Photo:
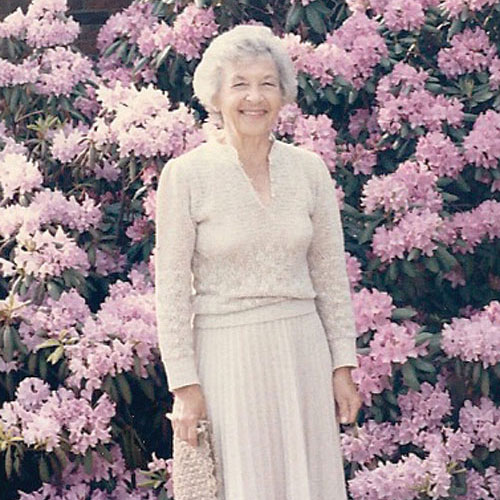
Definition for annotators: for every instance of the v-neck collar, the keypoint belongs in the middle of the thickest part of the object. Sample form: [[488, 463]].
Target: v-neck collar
[[231, 153]]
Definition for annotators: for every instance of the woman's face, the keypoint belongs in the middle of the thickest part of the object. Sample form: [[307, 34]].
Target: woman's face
[[250, 96]]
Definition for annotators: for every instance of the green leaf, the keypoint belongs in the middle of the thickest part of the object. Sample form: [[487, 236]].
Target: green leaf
[[163, 495], [410, 376], [48, 343], [414, 254], [390, 398], [446, 258], [403, 313], [431, 263], [485, 384], [87, 462], [8, 343], [393, 271], [8, 462], [424, 366], [456, 27], [331, 95], [162, 56], [294, 16], [462, 185], [314, 19], [14, 99], [56, 355], [124, 388], [408, 269], [423, 337], [476, 373], [43, 470], [148, 388], [54, 290], [109, 50]]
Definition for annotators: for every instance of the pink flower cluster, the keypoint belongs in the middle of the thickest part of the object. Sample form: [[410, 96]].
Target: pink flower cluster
[[404, 15], [455, 7], [422, 412], [411, 103], [407, 479], [354, 272], [475, 339], [19, 175], [107, 481], [128, 23], [440, 154], [44, 24], [372, 308], [317, 134], [482, 145], [370, 442], [12, 74], [61, 69], [482, 423], [43, 254], [43, 418], [391, 343], [109, 261], [68, 142], [485, 487], [123, 330], [420, 229], [49, 207], [56, 319], [395, 14], [140, 227], [140, 123], [471, 227], [421, 424], [361, 44], [411, 187], [192, 28], [363, 160], [471, 50], [351, 52]]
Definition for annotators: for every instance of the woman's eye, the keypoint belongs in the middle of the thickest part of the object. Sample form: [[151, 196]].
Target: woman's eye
[[269, 83], [239, 84]]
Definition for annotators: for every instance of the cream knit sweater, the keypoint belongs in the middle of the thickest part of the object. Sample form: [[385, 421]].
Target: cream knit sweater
[[220, 249]]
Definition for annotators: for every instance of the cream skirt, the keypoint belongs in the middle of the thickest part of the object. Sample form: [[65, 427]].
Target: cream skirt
[[268, 392]]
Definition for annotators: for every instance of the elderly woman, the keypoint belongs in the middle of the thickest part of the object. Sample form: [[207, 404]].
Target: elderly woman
[[255, 322]]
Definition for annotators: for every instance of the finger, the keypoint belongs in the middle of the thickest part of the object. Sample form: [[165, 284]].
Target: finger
[[343, 411], [193, 436], [354, 407]]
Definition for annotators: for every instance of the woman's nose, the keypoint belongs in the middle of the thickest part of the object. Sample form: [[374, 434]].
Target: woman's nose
[[254, 94]]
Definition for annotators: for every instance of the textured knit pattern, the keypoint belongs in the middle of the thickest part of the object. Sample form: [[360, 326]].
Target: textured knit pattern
[[221, 249]]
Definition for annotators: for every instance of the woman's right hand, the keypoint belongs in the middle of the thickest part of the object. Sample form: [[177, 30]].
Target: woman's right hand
[[189, 407]]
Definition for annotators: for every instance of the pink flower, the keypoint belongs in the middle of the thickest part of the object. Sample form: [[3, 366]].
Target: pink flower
[[475, 339], [19, 175], [471, 50]]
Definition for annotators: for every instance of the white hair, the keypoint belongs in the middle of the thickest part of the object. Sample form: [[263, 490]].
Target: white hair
[[233, 45]]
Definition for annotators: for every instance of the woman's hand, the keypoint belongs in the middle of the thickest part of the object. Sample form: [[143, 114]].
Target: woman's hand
[[189, 407], [346, 395]]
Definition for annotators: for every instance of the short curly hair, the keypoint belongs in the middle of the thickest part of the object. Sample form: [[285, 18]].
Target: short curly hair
[[233, 45]]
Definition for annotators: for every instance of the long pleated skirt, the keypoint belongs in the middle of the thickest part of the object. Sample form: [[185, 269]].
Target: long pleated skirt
[[267, 383]]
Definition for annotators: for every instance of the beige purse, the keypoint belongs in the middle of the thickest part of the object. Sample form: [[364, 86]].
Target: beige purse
[[194, 469]]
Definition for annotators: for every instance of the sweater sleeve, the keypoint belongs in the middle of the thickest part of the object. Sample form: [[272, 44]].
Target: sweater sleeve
[[175, 239], [327, 267]]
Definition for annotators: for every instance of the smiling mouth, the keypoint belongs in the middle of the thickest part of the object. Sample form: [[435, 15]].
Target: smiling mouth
[[253, 113]]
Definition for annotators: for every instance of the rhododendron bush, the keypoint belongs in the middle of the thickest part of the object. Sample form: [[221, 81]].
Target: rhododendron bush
[[401, 100]]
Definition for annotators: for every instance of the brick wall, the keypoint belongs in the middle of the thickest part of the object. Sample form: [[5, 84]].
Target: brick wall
[[91, 14]]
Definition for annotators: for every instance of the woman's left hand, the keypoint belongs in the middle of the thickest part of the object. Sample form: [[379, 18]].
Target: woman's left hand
[[346, 395]]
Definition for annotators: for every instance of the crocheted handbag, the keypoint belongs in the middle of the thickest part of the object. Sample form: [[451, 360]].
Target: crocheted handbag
[[194, 469]]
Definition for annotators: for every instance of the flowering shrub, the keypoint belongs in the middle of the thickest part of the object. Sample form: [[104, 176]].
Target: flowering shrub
[[403, 104]]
